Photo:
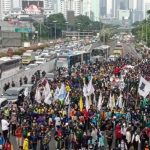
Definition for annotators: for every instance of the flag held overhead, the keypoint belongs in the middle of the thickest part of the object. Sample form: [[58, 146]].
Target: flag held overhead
[[144, 87]]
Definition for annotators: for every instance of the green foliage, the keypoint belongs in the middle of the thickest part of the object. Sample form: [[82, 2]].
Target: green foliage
[[141, 30], [82, 22]]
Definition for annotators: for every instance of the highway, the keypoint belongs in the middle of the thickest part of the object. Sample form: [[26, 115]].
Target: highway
[[128, 48]]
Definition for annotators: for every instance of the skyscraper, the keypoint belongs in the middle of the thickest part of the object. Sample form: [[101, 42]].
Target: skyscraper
[[103, 8], [119, 4], [139, 10], [5, 8], [91, 8], [140, 5]]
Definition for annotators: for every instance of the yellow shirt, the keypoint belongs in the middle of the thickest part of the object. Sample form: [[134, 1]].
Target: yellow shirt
[[26, 144]]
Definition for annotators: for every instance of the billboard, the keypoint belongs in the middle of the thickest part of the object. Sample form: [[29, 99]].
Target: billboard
[[32, 7]]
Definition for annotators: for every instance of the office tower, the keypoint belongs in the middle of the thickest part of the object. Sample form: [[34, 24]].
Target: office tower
[[16, 4], [140, 5], [131, 4], [77, 7], [124, 4], [91, 8], [5, 8], [103, 8], [139, 10]]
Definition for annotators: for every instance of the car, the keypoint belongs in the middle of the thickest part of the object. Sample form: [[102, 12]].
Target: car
[[30, 66], [40, 61], [4, 103], [13, 94]]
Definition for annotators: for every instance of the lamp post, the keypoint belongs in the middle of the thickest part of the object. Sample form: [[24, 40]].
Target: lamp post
[[67, 25], [55, 27], [79, 30]]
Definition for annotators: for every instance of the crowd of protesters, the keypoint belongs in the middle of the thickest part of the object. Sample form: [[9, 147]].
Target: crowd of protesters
[[73, 125]]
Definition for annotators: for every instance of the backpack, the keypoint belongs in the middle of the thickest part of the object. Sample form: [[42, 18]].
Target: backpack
[[7, 146], [24, 133]]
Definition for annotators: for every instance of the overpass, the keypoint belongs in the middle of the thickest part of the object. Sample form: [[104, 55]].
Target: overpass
[[77, 34]]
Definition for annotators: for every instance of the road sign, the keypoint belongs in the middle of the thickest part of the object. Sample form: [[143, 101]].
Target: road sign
[[23, 30]]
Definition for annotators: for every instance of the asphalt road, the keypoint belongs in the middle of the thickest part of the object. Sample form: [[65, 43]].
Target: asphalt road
[[127, 49]]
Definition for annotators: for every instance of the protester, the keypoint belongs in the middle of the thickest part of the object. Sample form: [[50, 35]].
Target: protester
[[97, 105], [5, 127], [2, 141]]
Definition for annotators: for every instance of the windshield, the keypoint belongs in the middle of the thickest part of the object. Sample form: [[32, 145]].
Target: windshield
[[62, 64], [96, 52], [26, 57], [10, 92]]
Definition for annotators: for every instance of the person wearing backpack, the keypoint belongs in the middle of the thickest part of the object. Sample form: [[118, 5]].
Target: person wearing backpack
[[8, 145], [135, 140], [26, 143], [2, 141], [18, 134]]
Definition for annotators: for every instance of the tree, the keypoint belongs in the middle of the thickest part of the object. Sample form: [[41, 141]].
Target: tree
[[59, 21], [82, 23]]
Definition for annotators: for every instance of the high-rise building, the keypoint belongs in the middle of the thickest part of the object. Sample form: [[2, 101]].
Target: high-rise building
[[103, 8], [131, 4], [91, 8], [139, 15], [77, 7], [5, 8], [66, 5], [119, 5], [16, 4]]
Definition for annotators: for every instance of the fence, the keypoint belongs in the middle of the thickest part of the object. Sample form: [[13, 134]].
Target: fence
[[47, 67]]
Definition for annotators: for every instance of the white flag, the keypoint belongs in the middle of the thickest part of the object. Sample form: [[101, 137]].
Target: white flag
[[90, 87], [56, 94], [47, 94], [62, 92], [120, 101], [48, 99], [100, 102], [144, 87], [85, 92], [87, 105], [38, 95], [26, 92], [67, 100]]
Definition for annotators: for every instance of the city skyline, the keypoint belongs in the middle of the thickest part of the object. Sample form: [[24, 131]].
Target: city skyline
[[94, 9]]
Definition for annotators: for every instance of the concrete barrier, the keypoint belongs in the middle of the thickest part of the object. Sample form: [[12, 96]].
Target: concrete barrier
[[47, 67]]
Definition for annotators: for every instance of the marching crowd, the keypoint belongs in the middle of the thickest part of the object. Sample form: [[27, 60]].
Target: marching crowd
[[96, 107]]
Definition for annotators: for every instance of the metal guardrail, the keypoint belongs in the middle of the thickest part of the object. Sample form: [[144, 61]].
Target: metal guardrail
[[47, 67]]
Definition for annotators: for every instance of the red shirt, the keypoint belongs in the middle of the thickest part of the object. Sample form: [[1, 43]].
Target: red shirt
[[85, 114]]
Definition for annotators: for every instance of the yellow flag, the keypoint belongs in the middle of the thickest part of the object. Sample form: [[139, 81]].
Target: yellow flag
[[81, 103], [68, 89]]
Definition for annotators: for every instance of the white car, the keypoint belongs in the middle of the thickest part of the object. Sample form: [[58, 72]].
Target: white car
[[30, 66], [40, 61]]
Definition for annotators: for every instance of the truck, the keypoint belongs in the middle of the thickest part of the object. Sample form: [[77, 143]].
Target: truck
[[28, 57], [118, 52]]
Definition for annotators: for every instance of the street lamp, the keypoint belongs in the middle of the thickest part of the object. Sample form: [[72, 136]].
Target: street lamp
[[55, 21], [79, 30], [67, 25]]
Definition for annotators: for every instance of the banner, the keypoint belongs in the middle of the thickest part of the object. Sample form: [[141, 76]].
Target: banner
[[144, 87]]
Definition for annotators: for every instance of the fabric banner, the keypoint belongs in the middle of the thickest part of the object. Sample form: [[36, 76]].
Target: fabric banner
[[144, 87]]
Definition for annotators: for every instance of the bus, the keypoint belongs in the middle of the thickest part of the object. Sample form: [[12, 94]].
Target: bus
[[9, 66], [68, 60], [100, 53], [118, 50]]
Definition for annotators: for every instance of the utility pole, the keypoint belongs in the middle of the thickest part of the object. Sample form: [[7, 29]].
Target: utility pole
[[55, 28]]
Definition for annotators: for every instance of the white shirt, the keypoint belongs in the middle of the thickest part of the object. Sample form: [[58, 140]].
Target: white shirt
[[5, 124], [57, 121], [128, 136]]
